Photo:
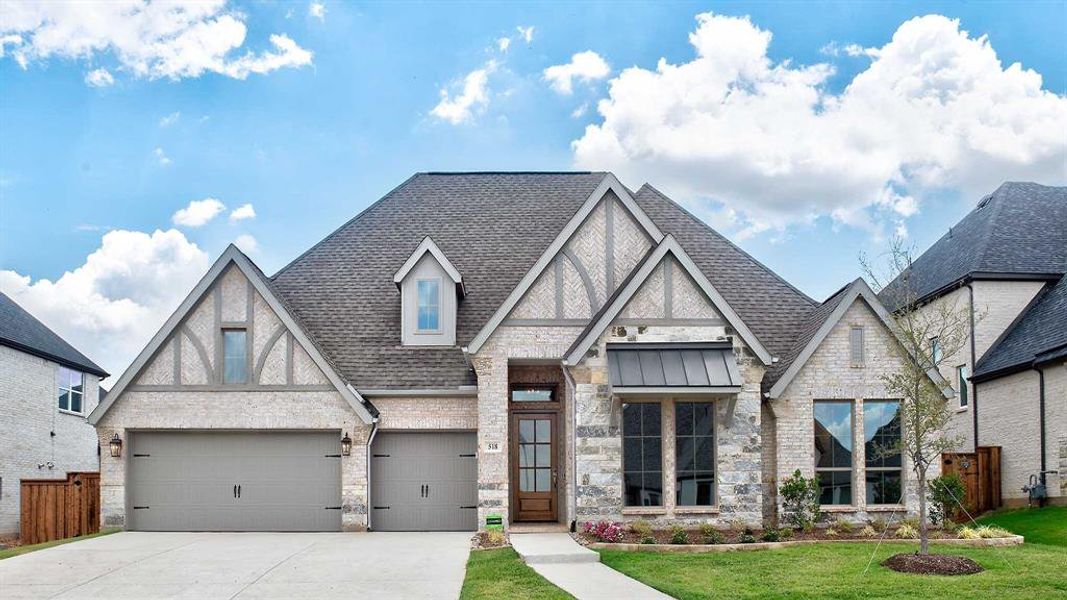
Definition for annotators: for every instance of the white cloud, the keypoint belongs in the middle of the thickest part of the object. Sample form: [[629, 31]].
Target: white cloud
[[110, 306], [584, 66], [317, 10], [525, 32], [170, 119], [247, 244], [198, 212], [99, 78], [935, 109], [245, 211], [502, 44], [161, 156], [579, 112], [178, 39], [472, 98]]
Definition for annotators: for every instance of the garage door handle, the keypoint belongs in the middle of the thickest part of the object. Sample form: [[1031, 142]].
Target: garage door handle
[[427, 490], [238, 490], [235, 490], [422, 491]]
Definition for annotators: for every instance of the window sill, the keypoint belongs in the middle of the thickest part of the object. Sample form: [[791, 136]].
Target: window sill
[[70, 412], [960, 409], [644, 510], [696, 510], [838, 508], [887, 508]]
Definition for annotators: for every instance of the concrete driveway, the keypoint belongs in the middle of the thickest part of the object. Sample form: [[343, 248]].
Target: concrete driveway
[[243, 565]]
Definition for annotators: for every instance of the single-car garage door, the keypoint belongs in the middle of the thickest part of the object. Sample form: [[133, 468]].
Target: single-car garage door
[[424, 482], [234, 481]]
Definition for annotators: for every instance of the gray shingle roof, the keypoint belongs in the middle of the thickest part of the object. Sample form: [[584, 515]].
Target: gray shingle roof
[[1039, 334], [493, 227], [805, 332], [21, 330], [1021, 229]]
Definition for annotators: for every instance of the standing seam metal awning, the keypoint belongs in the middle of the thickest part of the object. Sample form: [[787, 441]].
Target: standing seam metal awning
[[673, 368]]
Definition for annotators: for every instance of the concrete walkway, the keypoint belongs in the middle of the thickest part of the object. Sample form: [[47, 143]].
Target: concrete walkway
[[147, 565], [569, 565]]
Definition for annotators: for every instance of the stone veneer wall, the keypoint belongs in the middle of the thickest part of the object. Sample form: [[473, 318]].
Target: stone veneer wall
[[829, 375], [739, 488]]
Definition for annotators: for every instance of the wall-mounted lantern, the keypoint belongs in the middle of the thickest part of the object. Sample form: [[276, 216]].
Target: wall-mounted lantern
[[116, 446], [346, 445]]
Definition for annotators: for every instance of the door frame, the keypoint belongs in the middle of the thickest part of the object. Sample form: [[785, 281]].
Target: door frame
[[517, 410]]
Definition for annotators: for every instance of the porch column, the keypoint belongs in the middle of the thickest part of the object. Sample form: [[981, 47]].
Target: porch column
[[493, 465]]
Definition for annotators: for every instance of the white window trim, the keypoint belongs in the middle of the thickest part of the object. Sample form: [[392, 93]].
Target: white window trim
[[70, 392], [440, 317]]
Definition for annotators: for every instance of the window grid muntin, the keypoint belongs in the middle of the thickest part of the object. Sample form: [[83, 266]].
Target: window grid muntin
[[882, 468], [684, 432], [649, 436], [838, 476], [234, 359], [71, 390], [428, 306]]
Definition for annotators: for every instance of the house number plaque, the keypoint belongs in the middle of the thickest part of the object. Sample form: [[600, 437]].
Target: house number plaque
[[491, 447]]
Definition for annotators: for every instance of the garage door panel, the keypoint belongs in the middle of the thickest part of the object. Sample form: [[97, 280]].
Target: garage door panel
[[424, 481], [186, 480]]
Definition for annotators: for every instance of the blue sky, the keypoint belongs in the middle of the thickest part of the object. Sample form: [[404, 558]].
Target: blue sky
[[311, 141]]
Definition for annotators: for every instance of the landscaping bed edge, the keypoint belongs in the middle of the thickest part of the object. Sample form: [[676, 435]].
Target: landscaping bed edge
[[1015, 540]]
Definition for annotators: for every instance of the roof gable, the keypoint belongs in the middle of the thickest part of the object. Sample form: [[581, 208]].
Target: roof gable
[[233, 256], [822, 323], [24, 332], [608, 184], [630, 287], [427, 245]]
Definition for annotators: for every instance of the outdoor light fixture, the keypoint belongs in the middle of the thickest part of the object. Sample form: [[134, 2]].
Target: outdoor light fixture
[[346, 445], [116, 446]]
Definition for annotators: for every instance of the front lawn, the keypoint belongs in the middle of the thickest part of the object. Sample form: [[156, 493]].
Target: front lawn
[[17, 550], [1039, 526], [500, 573]]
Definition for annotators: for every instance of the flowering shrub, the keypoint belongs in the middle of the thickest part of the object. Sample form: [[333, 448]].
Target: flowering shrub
[[605, 531]]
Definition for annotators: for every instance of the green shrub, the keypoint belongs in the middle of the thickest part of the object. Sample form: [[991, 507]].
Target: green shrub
[[879, 524], [869, 532], [800, 500], [844, 526], [641, 527], [714, 537], [912, 522], [966, 533], [907, 532], [771, 535], [679, 535], [988, 531], [648, 539], [785, 532], [746, 537], [946, 495]]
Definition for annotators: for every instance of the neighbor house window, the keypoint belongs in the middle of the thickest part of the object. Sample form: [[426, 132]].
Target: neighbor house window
[[935, 350], [71, 388], [235, 356], [833, 451], [642, 454], [881, 432], [856, 346], [429, 304], [694, 430], [962, 373]]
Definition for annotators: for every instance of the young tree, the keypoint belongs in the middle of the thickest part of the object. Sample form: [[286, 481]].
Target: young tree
[[929, 335]]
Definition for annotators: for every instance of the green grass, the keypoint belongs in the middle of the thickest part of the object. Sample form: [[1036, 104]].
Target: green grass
[[500, 573], [1038, 569], [1039, 526], [17, 550]]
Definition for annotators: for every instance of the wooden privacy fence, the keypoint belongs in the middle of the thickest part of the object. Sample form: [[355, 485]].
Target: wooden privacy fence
[[54, 509], [980, 473]]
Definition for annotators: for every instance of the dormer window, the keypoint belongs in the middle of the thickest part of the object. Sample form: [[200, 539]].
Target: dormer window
[[429, 308], [430, 291]]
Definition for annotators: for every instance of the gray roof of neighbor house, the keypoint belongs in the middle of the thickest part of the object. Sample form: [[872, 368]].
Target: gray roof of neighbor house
[[493, 227], [1017, 230], [1038, 335], [22, 331]]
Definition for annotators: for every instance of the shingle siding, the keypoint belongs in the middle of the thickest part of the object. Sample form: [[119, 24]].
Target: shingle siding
[[28, 395]]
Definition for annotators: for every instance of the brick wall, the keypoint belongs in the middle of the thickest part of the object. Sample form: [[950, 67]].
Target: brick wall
[[28, 396]]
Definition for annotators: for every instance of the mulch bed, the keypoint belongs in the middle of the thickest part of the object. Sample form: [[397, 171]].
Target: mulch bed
[[932, 564], [481, 540]]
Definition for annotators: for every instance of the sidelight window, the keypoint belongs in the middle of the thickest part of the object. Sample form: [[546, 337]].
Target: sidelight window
[[642, 454]]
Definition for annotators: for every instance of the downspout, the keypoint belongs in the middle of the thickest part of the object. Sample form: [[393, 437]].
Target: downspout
[[370, 442], [1041, 417], [573, 447], [974, 361]]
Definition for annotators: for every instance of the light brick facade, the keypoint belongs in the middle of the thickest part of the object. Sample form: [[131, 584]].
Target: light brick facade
[[28, 395]]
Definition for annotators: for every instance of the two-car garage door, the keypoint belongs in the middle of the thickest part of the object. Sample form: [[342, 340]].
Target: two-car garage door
[[291, 481]]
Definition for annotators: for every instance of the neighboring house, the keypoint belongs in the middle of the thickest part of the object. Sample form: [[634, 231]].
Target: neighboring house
[[1004, 264], [47, 388], [542, 347]]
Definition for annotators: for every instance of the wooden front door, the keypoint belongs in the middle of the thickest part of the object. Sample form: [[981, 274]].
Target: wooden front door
[[533, 472]]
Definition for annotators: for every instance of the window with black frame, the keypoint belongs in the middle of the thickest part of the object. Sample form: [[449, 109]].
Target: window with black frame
[[694, 431], [642, 454], [881, 432], [833, 451]]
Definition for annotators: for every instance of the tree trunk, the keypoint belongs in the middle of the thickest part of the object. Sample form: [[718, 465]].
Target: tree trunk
[[924, 541]]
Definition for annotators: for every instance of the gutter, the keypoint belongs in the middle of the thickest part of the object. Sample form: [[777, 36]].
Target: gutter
[[370, 442], [573, 447], [1041, 417], [974, 363]]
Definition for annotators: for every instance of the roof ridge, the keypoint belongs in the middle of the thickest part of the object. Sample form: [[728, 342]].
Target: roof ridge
[[710, 229], [509, 172]]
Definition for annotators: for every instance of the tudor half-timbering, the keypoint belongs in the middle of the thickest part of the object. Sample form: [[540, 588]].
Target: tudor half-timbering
[[546, 347]]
